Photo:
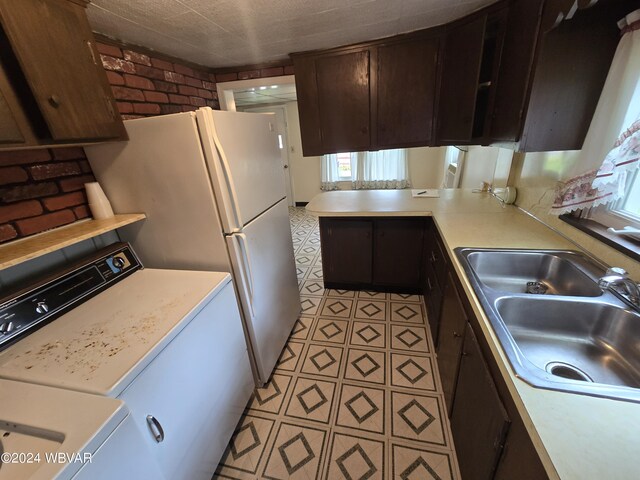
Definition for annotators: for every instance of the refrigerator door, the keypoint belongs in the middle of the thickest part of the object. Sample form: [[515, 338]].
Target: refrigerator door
[[244, 162], [161, 171], [263, 266]]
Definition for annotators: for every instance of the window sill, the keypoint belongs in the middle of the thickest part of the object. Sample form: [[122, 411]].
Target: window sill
[[624, 244]]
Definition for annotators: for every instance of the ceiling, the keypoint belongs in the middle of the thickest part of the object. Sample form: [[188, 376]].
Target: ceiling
[[265, 95], [225, 33]]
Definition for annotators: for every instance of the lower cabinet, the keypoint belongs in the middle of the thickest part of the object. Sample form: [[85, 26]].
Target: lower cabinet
[[188, 400], [374, 253], [479, 421], [450, 337]]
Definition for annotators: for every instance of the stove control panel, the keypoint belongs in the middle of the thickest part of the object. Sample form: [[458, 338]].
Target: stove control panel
[[48, 298]]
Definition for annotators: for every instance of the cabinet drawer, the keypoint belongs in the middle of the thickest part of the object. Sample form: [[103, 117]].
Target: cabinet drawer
[[196, 389]]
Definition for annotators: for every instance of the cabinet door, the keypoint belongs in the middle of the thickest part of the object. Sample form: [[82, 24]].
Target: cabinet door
[[196, 388], [452, 322], [53, 43], [406, 92], [479, 421], [347, 249], [519, 458], [397, 252], [433, 302], [459, 83], [14, 126], [343, 101]]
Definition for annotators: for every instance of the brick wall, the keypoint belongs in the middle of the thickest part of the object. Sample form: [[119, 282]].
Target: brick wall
[[44, 189]]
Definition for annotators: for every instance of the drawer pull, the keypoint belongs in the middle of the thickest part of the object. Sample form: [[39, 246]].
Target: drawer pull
[[433, 256], [156, 428], [457, 335], [429, 284], [54, 101]]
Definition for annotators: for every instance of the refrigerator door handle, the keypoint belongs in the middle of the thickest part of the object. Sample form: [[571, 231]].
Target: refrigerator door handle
[[226, 170], [246, 263]]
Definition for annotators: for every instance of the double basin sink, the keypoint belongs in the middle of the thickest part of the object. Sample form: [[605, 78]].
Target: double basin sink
[[558, 328]]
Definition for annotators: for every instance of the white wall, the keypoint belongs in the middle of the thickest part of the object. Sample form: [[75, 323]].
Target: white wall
[[480, 166], [305, 171], [426, 166]]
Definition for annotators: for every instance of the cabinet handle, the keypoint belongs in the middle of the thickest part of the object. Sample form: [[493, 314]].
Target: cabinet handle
[[93, 55], [429, 283], [433, 256], [156, 428], [54, 101], [457, 335]]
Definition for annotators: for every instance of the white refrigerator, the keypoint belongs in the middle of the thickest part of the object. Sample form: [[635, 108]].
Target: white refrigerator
[[212, 186]]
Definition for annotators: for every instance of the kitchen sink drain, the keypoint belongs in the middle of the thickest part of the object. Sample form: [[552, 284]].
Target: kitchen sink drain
[[536, 288], [565, 370]]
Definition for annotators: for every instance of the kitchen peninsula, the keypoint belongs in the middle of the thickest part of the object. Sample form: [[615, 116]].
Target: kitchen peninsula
[[560, 435]]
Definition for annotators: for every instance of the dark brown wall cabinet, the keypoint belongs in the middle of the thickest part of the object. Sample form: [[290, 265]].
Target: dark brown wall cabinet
[[53, 85], [367, 97], [521, 73], [380, 254]]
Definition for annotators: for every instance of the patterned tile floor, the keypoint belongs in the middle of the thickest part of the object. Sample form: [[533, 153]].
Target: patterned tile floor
[[356, 393]]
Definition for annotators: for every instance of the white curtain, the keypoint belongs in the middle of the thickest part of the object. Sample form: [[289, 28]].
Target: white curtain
[[612, 146], [385, 169], [329, 172]]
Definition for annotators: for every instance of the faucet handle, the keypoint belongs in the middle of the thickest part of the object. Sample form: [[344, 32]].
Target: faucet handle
[[617, 271]]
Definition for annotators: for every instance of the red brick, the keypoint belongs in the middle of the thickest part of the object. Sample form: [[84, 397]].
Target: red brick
[[75, 183], [165, 109], [249, 74], [201, 75], [136, 57], [85, 167], [131, 117], [25, 192], [189, 108], [157, 97], [174, 77], [194, 82], [124, 93], [215, 95], [288, 70], [225, 77], [183, 69], [179, 99], [12, 175], [135, 81], [54, 170], [81, 212], [272, 72], [213, 104], [64, 201], [156, 62], [209, 85], [165, 86], [125, 107], [117, 64], [108, 50], [20, 157], [205, 93], [7, 232], [146, 108], [150, 72], [16, 211], [187, 90], [197, 101], [68, 153], [39, 224], [212, 77], [114, 78]]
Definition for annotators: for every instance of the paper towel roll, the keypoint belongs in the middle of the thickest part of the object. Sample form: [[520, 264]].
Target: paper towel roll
[[98, 201]]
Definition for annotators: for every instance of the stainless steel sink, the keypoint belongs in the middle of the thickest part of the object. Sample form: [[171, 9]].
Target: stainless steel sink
[[553, 273], [575, 338]]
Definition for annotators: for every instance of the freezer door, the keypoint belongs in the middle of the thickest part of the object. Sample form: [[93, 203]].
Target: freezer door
[[244, 162], [265, 274]]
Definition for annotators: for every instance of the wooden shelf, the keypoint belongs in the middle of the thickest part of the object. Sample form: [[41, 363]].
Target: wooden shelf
[[19, 251]]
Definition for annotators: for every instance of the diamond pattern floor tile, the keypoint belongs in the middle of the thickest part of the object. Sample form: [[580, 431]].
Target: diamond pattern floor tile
[[355, 394]]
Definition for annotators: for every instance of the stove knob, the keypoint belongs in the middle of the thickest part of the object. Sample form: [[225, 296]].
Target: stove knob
[[118, 262], [3, 328], [10, 327], [42, 307]]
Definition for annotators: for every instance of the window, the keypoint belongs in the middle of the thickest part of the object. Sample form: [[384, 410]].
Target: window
[[344, 166], [384, 169]]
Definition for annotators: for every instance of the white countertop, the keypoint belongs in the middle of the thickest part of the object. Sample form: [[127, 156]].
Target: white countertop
[[577, 437], [101, 345], [67, 422]]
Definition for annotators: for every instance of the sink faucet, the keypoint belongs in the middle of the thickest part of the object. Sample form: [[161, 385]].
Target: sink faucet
[[617, 280]]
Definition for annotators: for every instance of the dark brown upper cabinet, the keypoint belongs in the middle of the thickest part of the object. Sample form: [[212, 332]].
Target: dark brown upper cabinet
[[554, 63], [369, 96], [54, 87]]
